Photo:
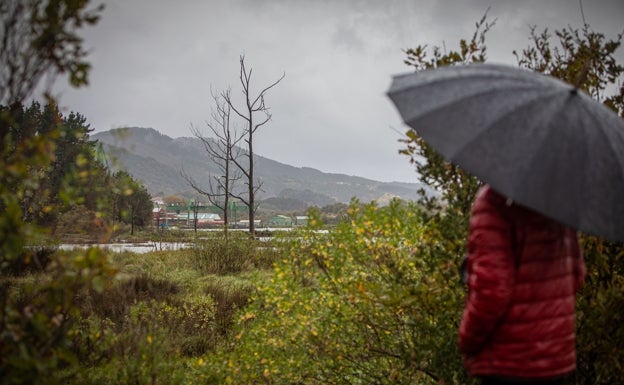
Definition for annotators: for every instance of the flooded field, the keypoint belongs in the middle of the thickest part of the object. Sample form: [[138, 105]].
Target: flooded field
[[143, 247]]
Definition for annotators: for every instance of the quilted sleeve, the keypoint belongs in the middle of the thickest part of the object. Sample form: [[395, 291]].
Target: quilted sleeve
[[490, 271]]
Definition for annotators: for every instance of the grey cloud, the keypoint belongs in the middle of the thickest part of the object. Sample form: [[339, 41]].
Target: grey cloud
[[154, 63]]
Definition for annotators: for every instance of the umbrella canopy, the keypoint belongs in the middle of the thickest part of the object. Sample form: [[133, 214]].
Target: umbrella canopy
[[533, 138]]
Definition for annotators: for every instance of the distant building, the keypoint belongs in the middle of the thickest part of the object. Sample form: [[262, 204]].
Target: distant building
[[208, 218], [158, 201], [158, 214], [301, 220], [203, 219], [280, 221], [244, 223]]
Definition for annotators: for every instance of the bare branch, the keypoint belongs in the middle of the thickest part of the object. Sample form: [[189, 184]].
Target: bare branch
[[241, 198], [228, 98], [194, 185], [268, 118], [266, 89]]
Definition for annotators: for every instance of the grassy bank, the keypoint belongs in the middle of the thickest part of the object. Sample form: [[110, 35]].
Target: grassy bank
[[151, 317]]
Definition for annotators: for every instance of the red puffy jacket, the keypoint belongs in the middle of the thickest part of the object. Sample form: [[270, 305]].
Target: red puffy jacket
[[523, 273]]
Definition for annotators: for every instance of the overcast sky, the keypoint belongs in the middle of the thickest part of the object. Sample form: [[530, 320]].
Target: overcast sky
[[155, 61]]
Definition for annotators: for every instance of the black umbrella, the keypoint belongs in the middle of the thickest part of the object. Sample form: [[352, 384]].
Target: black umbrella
[[533, 138]]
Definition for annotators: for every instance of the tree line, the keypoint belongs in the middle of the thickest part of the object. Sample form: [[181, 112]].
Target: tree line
[[76, 177]]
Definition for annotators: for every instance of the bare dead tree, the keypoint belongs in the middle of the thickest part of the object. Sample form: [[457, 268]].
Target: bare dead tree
[[222, 151], [252, 107]]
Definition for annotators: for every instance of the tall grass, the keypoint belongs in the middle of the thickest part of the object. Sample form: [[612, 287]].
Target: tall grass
[[154, 318], [165, 310], [234, 254]]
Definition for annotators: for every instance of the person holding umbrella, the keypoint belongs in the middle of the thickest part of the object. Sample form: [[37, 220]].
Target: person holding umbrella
[[524, 270], [552, 159]]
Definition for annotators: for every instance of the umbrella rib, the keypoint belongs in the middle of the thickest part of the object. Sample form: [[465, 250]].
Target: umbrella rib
[[610, 147], [533, 165], [514, 186], [494, 123]]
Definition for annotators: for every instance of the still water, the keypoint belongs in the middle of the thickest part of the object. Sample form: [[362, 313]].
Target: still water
[[143, 247]]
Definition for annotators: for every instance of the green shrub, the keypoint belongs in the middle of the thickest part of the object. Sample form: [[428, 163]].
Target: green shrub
[[228, 299], [232, 254], [142, 352], [113, 303], [30, 260], [149, 345], [38, 314], [92, 340], [371, 302], [600, 315]]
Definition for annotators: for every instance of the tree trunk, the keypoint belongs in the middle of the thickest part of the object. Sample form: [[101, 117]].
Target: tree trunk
[[252, 193]]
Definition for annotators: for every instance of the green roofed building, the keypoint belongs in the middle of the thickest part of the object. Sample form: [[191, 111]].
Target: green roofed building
[[280, 221]]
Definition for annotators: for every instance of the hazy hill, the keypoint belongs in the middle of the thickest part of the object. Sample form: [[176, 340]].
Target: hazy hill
[[158, 160]]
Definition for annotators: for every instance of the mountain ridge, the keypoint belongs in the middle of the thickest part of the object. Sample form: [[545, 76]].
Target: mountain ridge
[[159, 161]]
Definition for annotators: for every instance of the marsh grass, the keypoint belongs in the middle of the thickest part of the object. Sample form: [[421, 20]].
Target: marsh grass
[[155, 316], [115, 301], [232, 255], [165, 310], [229, 296]]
